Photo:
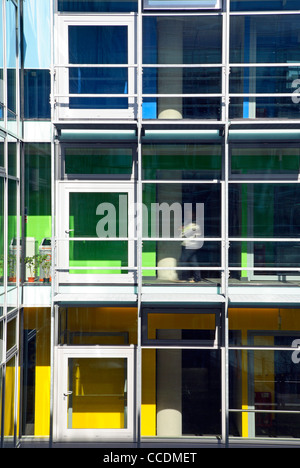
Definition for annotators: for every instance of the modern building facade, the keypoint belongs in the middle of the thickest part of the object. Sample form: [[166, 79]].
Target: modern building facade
[[125, 126]]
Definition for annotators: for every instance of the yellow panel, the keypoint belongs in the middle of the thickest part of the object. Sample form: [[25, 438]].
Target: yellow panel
[[148, 409]]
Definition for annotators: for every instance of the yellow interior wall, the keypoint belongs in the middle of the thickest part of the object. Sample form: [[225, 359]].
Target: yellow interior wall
[[261, 320], [9, 403], [105, 319], [39, 319], [110, 409], [102, 390]]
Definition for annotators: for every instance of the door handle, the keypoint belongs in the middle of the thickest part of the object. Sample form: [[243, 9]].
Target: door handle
[[67, 231], [67, 394]]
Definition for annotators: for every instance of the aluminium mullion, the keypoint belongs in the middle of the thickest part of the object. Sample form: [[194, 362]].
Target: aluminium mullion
[[265, 13], [225, 222], [138, 227], [53, 217]]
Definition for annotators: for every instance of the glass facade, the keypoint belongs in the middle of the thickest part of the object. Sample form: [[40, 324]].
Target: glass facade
[[149, 223]]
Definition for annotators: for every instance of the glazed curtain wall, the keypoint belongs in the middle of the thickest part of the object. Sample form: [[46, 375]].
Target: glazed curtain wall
[[264, 382]]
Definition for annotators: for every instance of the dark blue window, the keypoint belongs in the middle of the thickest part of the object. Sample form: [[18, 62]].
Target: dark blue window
[[98, 45]]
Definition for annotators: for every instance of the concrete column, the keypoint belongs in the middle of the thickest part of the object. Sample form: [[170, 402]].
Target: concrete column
[[169, 384], [170, 51], [168, 253], [169, 80]]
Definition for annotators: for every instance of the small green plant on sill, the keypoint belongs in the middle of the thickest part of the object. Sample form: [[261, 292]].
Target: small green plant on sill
[[32, 264], [46, 265]]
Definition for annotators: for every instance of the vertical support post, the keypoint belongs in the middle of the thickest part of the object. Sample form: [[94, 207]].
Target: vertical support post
[[53, 250], [139, 221], [225, 221]]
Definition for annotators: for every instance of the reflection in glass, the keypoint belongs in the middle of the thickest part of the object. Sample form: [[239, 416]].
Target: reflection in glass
[[97, 6], [9, 403], [98, 326], [169, 326], [181, 161], [265, 5], [263, 107], [265, 160], [13, 260], [97, 393], [264, 320], [11, 50], [105, 45], [271, 383], [36, 94], [98, 160], [264, 39], [200, 38], [36, 372], [183, 390], [11, 338], [273, 208]]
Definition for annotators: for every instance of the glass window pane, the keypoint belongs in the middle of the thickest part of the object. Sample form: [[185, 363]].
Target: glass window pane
[[264, 39], [264, 107], [95, 160], [36, 94], [98, 326], [181, 161], [186, 40], [181, 393], [13, 260], [97, 6], [271, 383], [12, 158], [169, 326], [11, 44], [36, 372], [2, 152], [265, 160], [273, 209], [263, 5], [11, 338], [98, 393], [242, 322], [9, 403], [167, 206], [105, 45]]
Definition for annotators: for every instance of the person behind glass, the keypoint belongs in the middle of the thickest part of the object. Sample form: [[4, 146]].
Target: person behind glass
[[190, 248]]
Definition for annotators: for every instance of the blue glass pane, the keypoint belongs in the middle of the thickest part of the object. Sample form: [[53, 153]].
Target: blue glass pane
[[36, 94], [98, 45], [97, 6], [265, 39], [189, 40], [264, 5]]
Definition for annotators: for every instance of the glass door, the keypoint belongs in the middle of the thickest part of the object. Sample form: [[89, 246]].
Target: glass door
[[95, 394], [96, 232], [96, 66]]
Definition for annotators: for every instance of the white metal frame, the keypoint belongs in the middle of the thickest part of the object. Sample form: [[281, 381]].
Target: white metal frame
[[64, 190], [61, 430], [62, 67]]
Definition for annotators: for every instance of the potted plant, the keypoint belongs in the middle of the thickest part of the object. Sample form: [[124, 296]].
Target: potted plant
[[1, 268], [12, 260], [31, 263], [45, 261]]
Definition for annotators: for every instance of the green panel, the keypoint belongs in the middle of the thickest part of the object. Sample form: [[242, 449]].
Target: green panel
[[167, 161], [85, 222], [98, 160], [270, 160]]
